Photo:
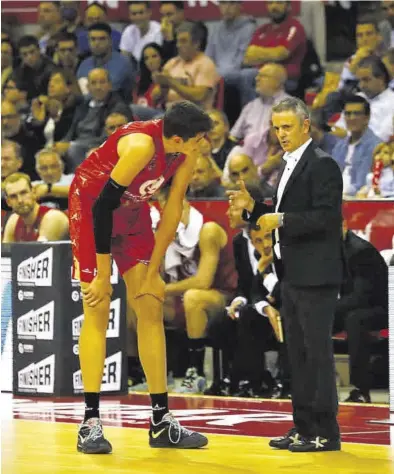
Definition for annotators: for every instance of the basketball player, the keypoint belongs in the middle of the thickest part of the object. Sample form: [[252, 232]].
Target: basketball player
[[109, 214]]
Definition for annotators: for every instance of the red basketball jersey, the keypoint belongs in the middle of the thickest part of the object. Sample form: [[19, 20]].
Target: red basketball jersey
[[29, 234]]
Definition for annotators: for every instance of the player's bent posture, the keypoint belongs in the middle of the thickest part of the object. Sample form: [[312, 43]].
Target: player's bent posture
[[109, 214]]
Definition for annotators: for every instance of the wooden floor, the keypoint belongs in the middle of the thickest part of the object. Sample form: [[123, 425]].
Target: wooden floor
[[49, 448], [36, 440]]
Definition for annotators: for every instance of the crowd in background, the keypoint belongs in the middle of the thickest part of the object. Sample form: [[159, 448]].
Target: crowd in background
[[67, 88]]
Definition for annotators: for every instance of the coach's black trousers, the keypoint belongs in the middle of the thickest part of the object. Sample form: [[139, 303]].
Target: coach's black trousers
[[308, 316]]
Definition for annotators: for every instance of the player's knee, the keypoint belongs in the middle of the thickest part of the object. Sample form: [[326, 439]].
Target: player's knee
[[97, 317], [191, 300]]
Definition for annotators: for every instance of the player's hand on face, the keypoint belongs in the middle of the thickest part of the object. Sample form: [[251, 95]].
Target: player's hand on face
[[240, 199], [152, 286], [97, 291]]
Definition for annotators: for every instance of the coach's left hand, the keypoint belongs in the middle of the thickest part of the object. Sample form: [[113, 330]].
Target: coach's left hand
[[269, 222]]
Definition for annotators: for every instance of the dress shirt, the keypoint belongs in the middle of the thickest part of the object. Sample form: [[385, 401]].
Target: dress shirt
[[291, 162]]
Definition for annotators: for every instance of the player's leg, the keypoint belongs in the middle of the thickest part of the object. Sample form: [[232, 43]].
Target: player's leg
[[92, 349], [165, 429], [199, 305]]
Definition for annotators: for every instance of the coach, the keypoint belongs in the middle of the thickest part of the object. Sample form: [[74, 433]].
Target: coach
[[306, 222]]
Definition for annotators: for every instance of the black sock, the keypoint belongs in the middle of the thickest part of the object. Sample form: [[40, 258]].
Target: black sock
[[92, 400], [196, 354], [159, 406]]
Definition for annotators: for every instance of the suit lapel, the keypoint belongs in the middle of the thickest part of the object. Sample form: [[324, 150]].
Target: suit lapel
[[281, 170], [297, 170]]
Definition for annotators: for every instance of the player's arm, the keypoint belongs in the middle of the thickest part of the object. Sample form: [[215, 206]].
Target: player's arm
[[135, 151], [212, 239], [171, 215], [9, 229], [54, 226]]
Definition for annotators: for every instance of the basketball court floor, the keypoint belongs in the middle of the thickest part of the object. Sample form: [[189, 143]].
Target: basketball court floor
[[39, 436]]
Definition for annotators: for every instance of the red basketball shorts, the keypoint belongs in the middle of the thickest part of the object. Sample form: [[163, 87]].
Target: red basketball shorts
[[132, 236]]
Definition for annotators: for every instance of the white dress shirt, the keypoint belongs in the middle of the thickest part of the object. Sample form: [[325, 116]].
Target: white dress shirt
[[291, 162], [132, 41]]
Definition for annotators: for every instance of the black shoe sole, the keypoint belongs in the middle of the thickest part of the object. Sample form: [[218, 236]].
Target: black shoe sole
[[177, 446], [99, 450], [314, 450], [280, 446]]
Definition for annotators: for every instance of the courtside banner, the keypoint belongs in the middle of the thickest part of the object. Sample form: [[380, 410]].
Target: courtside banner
[[47, 317]]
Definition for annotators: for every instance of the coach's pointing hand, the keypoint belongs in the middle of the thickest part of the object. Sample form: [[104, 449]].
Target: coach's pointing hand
[[241, 199]]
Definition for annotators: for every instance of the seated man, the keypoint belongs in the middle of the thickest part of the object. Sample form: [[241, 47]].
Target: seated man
[[320, 132], [53, 187], [29, 221], [114, 121], [255, 310], [240, 166], [362, 307], [11, 162], [191, 75], [200, 268], [354, 153], [204, 182], [87, 128], [122, 72], [219, 137]]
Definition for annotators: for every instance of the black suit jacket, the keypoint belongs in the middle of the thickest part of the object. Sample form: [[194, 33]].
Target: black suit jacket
[[310, 240], [366, 285]]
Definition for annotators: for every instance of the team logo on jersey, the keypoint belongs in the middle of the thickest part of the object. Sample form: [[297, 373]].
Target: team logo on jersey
[[150, 187]]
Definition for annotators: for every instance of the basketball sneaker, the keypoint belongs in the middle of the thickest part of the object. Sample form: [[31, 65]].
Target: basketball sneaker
[[91, 438], [170, 434], [192, 383]]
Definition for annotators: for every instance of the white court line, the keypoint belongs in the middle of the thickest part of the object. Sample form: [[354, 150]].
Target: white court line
[[364, 432]]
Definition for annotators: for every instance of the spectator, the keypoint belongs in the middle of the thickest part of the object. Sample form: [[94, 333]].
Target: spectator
[[172, 15], [241, 167], [52, 115], [13, 129], [12, 94], [386, 26], [114, 121], [141, 31], [11, 158], [282, 40], [219, 137], [145, 106], [66, 52], [87, 127], [33, 74], [204, 183], [121, 71], [51, 22], [368, 42], [7, 61], [29, 221], [95, 12], [200, 268], [354, 153], [235, 30], [388, 60], [380, 181], [151, 61], [373, 82], [53, 187], [320, 132], [191, 75], [362, 307], [255, 117]]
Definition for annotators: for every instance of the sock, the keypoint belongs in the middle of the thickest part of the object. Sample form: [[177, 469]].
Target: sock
[[92, 401], [196, 354], [159, 406]]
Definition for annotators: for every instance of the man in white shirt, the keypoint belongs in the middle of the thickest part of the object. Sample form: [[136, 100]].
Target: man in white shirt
[[141, 31], [306, 220]]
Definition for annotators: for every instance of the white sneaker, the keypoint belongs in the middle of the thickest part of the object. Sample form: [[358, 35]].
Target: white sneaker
[[192, 383]]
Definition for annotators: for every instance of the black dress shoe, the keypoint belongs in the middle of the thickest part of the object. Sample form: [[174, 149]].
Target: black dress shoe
[[291, 437], [357, 396], [313, 445]]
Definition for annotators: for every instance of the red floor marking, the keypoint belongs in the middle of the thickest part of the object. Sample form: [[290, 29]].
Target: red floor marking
[[213, 415]]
